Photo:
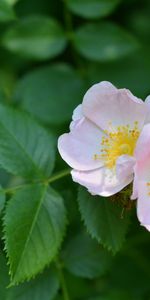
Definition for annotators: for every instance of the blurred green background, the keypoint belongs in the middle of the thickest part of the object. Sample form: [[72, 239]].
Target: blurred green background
[[51, 52]]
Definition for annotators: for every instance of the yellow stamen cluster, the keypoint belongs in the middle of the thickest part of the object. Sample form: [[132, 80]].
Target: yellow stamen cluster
[[118, 142]]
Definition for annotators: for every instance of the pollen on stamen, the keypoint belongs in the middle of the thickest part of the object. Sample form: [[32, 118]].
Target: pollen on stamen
[[148, 188], [118, 141]]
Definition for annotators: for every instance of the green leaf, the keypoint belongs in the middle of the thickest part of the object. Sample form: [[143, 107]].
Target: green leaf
[[4, 279], [92, 8], [39, 7], [2, 198], [84, 257], [116, 295], [11, 2], [138, 22], [34, 227], [26, 149], [103, 41], [7, 81], [43, 287], [102, 218], [36, 38], [6, 12], [57, 87], [124, 73]]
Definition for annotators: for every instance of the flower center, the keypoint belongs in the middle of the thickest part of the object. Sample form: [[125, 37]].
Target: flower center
[[118, 142], [125, 149]]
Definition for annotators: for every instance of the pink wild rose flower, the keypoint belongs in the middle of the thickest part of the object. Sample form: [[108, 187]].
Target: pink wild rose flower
[[100, 147]]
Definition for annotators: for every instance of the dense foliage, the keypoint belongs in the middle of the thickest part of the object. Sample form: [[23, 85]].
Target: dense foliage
[[57, 241]]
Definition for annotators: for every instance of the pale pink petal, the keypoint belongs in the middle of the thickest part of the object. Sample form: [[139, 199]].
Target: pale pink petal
[[142, 176], [103, 181], [125, 166], [77, 115], [147, 103], [131, 96], [147, 227], [143, 204], [142, 154], [147, 100], [79, 146], [110, 108]]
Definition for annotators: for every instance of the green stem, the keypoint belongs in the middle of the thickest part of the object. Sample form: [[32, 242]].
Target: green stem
[[59, 175], [62, 280], [53, 178]]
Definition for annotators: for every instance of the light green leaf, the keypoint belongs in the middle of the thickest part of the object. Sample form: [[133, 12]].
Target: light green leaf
[[37, 38], [26, 149], [92, 8], [6, 12], [103, 41], [34, 227], [102, 218], [11, 2], [43, 287], [84, 257], [58, 87]]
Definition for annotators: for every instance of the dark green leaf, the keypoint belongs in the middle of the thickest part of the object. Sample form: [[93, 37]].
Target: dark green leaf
[[25, 148], [4, 279], [138, 22], [115, 295], [36, 38], [102, 218], [7, 81], [58, 88], [92, 8], [34, 227], [6, 12], [44, 287], [85, 258], [103, 41], [126, 73]]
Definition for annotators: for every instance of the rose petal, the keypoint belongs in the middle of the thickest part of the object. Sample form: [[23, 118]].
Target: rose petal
[[147, 227], [147, 103], [125, 166], [109, 108], [77, 115], [142, 176], [102, 181], [143, 204], [79, 146], [142, 154]]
